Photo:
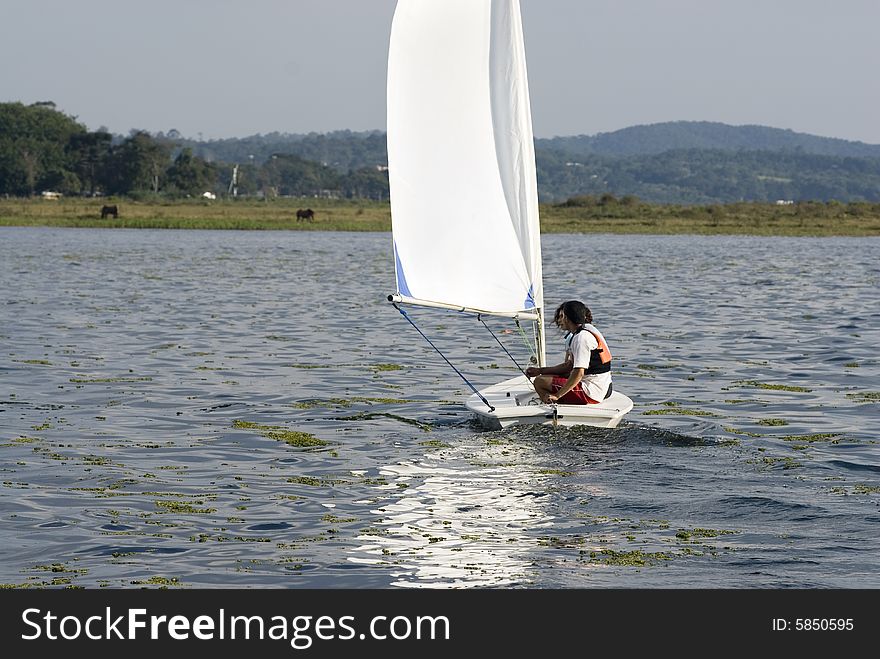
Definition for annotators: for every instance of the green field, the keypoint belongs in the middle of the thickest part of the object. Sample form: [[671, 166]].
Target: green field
[[578, 215]]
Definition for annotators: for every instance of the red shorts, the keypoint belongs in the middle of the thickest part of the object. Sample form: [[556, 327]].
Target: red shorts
[[576, 396]]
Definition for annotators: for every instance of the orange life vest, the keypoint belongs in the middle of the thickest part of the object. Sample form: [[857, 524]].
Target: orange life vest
[[600, 358]]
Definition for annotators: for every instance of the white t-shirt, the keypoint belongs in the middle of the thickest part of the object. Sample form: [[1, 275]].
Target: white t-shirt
[[595, 385]]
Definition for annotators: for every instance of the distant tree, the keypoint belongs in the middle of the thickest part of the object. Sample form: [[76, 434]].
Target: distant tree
[[190, 175], [138, 165], [366, 183], [293, 176], [89, 155], [33, 142]]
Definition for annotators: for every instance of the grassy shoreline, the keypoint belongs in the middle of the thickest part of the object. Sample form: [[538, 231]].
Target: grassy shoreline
[[578, 215]]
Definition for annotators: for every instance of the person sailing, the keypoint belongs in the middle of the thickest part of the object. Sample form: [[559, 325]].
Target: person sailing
[[584, 377]]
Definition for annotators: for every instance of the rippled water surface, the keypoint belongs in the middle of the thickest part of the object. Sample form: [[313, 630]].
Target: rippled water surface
[[243, 409]]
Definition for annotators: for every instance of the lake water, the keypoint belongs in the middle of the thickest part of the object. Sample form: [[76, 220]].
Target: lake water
[[149, 381]]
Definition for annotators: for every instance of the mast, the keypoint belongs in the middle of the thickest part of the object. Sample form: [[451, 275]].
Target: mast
[[541, 339]]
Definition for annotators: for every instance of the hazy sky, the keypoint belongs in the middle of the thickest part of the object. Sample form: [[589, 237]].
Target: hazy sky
[[223, 68]]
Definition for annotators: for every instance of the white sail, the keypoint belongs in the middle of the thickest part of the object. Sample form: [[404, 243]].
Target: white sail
[[461, 159]]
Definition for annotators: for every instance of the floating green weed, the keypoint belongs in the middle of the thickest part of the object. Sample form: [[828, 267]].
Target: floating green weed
[[742, 432], [815, 437], [851, 365], [333, 519], [290, 437], [158, 581], [348, 402], [688, 534], [773, 387], [104, 380], [675, 408], [185, 508], [785, 461], [628, 558], [26, 440], [772, 422], [95, 460], [866, 489], [865, 396], [555, 472], [435, 443], [306, 480], [59, 567], [379, 368]]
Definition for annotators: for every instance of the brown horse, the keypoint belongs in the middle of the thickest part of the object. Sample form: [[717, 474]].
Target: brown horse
[[109, 210], [307, 214]]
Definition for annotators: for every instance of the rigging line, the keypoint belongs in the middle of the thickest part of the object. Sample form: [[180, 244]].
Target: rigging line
[[532, 351], [480, 318], [466, 381]]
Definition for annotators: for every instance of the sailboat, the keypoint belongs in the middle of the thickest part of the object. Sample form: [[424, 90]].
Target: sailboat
[[464, 201]]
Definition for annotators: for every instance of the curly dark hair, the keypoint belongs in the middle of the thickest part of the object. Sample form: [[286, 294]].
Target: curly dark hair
[[577, 312]]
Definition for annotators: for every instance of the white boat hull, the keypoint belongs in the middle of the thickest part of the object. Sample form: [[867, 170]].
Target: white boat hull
[[515, 402]]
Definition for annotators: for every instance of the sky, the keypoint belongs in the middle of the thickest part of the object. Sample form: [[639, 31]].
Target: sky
[[219, 68]]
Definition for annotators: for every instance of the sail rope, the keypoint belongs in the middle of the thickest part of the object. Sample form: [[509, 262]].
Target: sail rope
[[498, 341], [451, 365], [533, 350]]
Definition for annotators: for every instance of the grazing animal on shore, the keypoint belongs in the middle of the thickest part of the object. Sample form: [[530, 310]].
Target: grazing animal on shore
[[307, 214], [109, 210]]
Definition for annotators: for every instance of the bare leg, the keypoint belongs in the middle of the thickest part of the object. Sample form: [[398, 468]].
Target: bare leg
[[543, 386]]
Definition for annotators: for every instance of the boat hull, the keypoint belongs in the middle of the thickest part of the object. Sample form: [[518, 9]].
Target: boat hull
[[516, 403]]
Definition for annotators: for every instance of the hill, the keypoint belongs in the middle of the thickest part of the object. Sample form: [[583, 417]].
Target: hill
[[703, 176], [685, 135], [683, 162]]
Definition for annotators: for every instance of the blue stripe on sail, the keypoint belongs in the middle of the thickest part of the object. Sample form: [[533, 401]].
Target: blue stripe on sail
[[402, 286], [530, 298]]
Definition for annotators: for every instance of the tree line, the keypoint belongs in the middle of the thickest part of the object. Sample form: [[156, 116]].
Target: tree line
[[42, 149]]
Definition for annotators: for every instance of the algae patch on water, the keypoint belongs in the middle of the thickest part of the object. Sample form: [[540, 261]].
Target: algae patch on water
[[688, 534], [109, 380], [628, 558], [865, 396], [289, 437], [785, 461], [379, 368], [772, 422], [163, 582], [671, 407], [772, 387], [184, 508], [435, 443], [815, 437], [555, 472], [311, 403]]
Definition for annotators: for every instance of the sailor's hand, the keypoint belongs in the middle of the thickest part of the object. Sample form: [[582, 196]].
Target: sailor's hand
[[552, 398], [533, 371]]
